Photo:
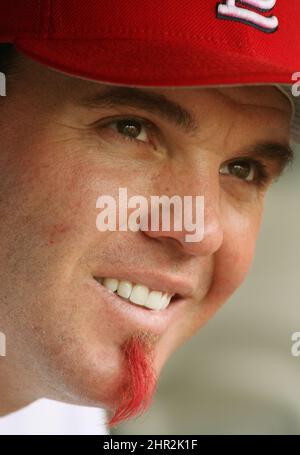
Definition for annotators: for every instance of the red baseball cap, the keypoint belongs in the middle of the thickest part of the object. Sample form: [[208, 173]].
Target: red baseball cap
[[162, 43]]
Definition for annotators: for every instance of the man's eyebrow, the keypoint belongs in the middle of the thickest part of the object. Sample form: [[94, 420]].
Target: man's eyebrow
[[281, 154], [141, 99]]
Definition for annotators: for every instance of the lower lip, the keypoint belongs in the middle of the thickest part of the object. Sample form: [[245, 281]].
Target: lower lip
[[138, 316]]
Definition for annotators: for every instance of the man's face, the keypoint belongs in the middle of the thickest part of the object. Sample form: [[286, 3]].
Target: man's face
[[61, 148]]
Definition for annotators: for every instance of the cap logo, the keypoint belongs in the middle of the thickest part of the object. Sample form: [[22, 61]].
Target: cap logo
[[229, 10]]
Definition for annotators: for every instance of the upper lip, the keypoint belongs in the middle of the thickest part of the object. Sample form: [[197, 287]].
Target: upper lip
[[182, 286]]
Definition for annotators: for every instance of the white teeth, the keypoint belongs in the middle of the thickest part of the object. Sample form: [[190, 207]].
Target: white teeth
[[154, 300], [165, 300], [124, 289], [111, 284], [138, 294]]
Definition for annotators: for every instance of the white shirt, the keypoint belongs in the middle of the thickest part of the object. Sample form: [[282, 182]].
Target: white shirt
[[48, 417]]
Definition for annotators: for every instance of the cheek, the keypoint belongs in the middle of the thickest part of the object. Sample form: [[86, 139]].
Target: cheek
[[229, 267], [232, 262]]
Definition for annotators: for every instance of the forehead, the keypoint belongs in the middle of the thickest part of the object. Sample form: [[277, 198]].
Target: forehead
[[266, 96], [51, 82], [259, 95]]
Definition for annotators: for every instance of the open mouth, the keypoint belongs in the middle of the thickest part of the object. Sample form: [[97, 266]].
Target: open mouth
[[138, 294]]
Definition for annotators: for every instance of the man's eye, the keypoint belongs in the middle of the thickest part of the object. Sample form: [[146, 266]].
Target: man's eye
[[248, 170], [131, 129], [244, 170]]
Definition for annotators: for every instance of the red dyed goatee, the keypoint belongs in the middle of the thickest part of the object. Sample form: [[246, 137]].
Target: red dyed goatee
[[136, 394]]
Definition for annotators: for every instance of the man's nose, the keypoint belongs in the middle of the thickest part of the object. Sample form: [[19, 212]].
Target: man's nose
[[206, 185]]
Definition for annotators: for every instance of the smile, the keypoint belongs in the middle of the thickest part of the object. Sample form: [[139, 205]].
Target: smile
[[137, 294]]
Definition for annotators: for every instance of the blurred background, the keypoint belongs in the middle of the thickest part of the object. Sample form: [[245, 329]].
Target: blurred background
[[237, 375]]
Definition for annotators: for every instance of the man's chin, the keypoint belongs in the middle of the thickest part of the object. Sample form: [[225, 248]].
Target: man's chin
[[123, 382], [135, 394]]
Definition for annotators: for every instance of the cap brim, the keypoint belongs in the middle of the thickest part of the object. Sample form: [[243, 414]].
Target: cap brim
[[129, 62]]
